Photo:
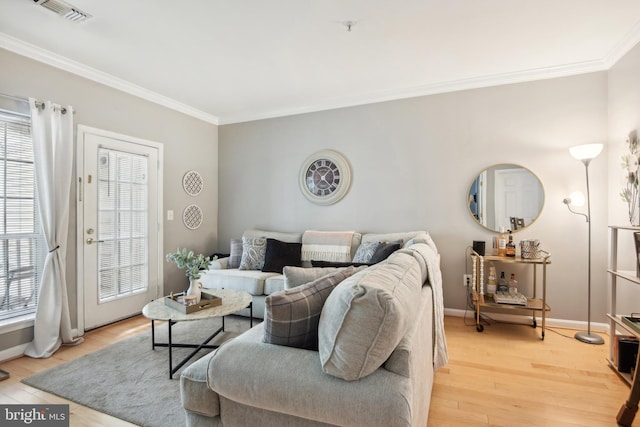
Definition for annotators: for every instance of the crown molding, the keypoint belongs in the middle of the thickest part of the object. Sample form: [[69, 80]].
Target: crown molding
[[623, 47], [41, 55], [25, 49], [433, 89]]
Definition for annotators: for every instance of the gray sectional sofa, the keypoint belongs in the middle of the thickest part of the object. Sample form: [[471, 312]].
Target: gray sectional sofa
[[260, 283], [380, 337]]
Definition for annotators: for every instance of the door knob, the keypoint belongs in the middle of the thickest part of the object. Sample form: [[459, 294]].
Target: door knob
[[90, 241]]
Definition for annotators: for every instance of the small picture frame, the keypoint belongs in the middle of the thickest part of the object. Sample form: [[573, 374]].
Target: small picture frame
[[636, 239]]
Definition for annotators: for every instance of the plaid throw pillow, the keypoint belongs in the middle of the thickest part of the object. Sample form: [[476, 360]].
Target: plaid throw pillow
[[236, 253], [292, 316]]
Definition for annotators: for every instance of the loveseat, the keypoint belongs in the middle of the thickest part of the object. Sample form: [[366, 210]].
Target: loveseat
[[379, 337], [256, 261]]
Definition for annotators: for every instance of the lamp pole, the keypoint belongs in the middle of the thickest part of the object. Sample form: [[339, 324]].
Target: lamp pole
[[588, 337]]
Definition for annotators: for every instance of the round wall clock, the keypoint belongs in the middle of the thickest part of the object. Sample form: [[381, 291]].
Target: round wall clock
[[325, 177]]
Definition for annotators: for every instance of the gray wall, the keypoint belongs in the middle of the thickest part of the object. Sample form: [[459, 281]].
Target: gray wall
[[413, 161], [624, 117], [189, 144]]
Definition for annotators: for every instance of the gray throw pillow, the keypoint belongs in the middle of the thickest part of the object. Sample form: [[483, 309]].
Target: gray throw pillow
[[365, 252], [253, 251], [235, 255], [292, 316]]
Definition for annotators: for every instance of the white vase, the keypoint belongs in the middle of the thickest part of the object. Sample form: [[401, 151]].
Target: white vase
[[195, 288]]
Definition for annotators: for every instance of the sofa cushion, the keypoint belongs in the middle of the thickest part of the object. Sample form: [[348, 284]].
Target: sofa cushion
[[366, 316], [253, 252], [365, 251], [252, 281], [235, 255], [280, 254], [273, 284], [384, 250], [405, 237], [296, 276], [282, 236], [292, 315]]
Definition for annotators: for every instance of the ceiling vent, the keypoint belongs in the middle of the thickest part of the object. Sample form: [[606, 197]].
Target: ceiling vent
[[64, 9]]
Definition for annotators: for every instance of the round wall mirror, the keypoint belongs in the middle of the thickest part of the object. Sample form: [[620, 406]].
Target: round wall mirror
[[505, 195]]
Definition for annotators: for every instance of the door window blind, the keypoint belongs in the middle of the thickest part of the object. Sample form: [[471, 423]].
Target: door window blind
[[122, 224]]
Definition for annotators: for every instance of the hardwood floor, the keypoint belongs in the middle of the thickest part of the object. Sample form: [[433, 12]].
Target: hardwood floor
[[507, 376], [504, 376]]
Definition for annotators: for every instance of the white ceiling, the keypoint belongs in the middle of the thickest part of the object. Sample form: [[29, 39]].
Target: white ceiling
[[238, 60]]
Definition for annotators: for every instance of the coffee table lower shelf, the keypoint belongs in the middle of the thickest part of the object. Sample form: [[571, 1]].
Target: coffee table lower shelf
[[170, 345]]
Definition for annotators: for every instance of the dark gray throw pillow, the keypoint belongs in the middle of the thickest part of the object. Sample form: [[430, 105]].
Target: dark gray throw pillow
[[292, 316], [281, 254], [384, 250]]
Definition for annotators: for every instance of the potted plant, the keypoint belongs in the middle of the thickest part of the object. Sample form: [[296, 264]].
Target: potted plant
[[192, 264]]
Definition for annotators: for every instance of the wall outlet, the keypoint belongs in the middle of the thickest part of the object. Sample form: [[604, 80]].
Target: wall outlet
[[466, 280]]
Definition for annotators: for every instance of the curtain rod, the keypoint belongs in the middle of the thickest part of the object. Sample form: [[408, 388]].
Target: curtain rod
[[39, 104]]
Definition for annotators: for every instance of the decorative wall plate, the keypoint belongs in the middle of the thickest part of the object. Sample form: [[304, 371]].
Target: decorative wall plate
[[192, 217], [325, 177], [192, 183]]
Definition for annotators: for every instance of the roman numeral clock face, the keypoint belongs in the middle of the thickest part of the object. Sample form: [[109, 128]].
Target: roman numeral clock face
[[324, 177]]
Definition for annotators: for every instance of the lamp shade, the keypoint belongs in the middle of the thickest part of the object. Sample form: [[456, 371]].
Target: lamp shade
[[575, 199], [586, 152]]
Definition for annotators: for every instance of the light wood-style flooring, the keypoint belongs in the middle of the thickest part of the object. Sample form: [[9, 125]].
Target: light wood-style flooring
[[504, 376]]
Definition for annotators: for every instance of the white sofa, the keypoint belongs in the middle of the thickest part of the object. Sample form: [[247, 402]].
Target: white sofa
[[380, 338], [260, 284]]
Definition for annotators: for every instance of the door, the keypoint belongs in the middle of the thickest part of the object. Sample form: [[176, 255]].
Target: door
[[120, 234]]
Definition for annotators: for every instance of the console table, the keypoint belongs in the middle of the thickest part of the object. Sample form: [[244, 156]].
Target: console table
[[482, 300]]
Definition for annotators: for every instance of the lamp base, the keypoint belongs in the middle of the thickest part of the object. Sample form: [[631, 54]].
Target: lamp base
[[589, 338]]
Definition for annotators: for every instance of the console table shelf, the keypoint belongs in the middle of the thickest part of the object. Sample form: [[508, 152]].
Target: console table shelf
[[536, 305]]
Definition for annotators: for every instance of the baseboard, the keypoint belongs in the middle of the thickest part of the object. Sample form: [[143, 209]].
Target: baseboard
[[13, 352], [18, 351], [550, 322]]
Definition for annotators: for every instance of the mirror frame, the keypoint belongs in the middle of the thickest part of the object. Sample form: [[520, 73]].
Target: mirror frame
[[514, 165]]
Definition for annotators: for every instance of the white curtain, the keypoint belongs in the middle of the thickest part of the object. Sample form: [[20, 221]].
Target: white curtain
[[53, 156]]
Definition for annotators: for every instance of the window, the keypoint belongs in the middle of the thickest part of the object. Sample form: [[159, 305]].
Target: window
[[22, 245]]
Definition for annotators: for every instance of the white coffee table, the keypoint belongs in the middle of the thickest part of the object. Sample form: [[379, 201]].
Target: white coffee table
[[232, 302]]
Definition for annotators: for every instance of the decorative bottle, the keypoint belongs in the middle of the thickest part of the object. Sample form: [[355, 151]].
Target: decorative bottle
[[511, 247], [513, 285], [503, 286], [502, 243]]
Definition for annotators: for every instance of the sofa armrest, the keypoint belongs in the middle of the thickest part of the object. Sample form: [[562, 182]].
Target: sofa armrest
[[290, 380]]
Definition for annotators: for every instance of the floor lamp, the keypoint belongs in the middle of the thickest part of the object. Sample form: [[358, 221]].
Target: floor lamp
[[586, 153]]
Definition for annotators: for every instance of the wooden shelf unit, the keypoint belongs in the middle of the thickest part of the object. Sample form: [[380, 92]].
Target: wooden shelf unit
[[534, 304]]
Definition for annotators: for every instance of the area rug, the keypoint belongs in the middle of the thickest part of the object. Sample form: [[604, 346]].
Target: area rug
[[129, 380]]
